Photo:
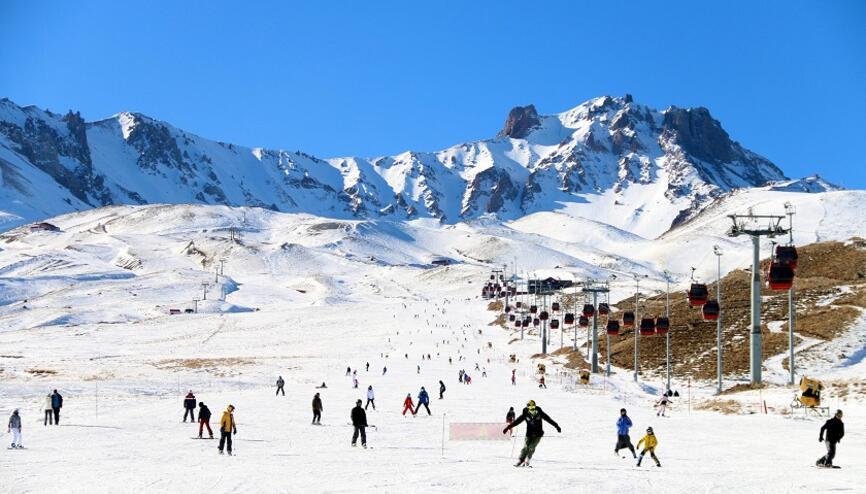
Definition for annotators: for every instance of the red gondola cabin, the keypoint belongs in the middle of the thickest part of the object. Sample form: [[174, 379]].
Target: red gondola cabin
[[647, 326]]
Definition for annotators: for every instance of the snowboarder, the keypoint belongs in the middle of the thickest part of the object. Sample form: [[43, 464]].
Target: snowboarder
[[359, 422], [204, 420], [835, 430], [408, 406], [323, 386], [189, 407], [56, 405], [534, 417], [541, 382], [623, 423], [371, 398], [317, 409], [662, 405], [15, 428], [423, 399], [441, 389], [227, 429], [649, 442], [280, 384], [49, 412]]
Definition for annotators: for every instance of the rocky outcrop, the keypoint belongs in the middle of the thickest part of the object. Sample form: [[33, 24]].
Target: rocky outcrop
[[521, 120]]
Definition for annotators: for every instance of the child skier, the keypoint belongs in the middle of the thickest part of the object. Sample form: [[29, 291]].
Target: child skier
[[534, 417], [15, 428], [408, 405], [649, 445], [623, 441]]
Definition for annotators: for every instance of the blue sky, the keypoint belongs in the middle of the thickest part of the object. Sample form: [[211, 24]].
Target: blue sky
[[786, 79]]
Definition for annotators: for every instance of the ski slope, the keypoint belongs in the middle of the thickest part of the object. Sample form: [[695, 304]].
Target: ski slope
[[85, 310]]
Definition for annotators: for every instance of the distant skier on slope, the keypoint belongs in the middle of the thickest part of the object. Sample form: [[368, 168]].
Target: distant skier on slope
[[650, 442], [441, 389], [189, 407], [662, 405], [371, 398], [280, 384], [534, 417], [542, 383], [623, 424], [509, 417], [49, 411], [15, 428], [835, 431], [227, 429], [513, 377], [359, 422], [423, 399], [204, 419], [56, 405], [317, 409], [408, 405]]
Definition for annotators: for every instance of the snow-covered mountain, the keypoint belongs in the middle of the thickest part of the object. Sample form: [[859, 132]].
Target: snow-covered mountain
[[608, 159]]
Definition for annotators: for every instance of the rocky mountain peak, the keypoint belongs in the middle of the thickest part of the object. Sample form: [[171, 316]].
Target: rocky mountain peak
[[521, 119]]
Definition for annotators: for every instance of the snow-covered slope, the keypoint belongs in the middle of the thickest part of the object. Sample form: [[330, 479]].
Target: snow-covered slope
[[611, 160]]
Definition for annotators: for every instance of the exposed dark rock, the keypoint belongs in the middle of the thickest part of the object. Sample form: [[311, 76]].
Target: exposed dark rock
[[521, 120]]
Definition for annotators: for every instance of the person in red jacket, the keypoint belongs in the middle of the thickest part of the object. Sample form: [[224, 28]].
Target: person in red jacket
[[408, 406]]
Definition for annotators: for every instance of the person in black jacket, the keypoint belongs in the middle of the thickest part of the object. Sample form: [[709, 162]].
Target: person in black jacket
[[534, 417], [317, 409], [359, 421], [189, 407], [56, 405], [204, 419], [831, 433], [441, 389]]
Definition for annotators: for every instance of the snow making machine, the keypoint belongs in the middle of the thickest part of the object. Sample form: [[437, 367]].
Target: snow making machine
[[809, 398]]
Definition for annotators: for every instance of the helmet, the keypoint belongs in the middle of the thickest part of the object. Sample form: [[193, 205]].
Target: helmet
[[649, 430], [530, 403]]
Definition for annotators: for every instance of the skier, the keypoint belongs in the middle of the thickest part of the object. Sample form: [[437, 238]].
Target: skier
[[534, 417], [359, 422], [384, 370], [835, 430], [623, 423], [423, 399], [317, 409], [189, 407], [15, 428], [649, 445], [204, 419], [441, 389], [355, 382], [467, 379], [348, 371], [368, 366], [408, 406], [509, 417], [371, 398], [542, 383], [56, 405], [513, 377], [49, 417], [419, 369], [662, 405], [280, 384], [227, 428], [460, 375]]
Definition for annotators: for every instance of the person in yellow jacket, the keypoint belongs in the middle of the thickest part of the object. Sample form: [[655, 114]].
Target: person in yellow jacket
[[227, 428], [649, 445]]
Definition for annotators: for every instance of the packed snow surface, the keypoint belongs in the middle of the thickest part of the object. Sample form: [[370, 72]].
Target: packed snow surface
[[86, 311]]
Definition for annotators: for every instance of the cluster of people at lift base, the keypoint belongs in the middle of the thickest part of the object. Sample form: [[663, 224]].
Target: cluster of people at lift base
[[533, 416]]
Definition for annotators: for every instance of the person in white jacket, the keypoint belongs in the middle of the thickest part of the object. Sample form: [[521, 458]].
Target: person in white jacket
[[370, 398], [49, 414], [15, 428]]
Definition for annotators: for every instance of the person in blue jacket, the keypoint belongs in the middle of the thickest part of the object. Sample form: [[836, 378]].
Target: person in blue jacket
[[423, 399], [623, 441], [56, 405]]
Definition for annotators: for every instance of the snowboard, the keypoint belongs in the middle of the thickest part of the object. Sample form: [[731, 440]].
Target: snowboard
[[202, 438], [827, 467]]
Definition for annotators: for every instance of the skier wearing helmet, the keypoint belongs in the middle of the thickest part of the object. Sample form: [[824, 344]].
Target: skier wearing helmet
[[649, 444], [534, 417]]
